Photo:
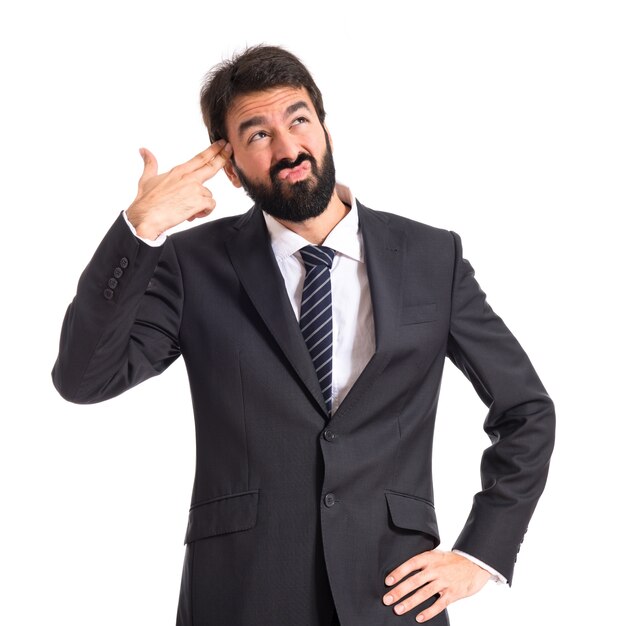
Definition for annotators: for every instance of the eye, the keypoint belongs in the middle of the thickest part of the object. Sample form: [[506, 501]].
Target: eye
[[258, 135], [300, 120]]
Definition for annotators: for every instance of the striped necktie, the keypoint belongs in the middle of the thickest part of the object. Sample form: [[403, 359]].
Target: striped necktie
[[316, 314]]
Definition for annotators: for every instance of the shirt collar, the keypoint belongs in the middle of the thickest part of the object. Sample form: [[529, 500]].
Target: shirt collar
[[344, 238]]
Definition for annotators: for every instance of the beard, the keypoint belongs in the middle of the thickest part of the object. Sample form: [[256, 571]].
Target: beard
[[299, 201]]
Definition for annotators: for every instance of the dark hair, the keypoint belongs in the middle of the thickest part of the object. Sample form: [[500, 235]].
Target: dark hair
[[257, 68]]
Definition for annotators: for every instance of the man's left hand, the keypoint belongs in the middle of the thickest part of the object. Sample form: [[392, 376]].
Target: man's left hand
[[448, 574]]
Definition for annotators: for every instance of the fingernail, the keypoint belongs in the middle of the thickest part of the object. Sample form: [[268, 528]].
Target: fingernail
[[420, 618], [388, 599], [228, 148], [399, 608], [389, 580]]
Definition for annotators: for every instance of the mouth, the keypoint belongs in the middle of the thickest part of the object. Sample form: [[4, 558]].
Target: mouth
[[294, 174]]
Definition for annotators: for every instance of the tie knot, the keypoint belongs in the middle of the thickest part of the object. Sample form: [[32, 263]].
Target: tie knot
[[314, 256]]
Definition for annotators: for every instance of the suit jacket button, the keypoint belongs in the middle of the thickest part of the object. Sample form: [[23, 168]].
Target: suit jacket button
[[112, 283], [329, 435], [108, 293], [117, 272], [123, 262], [329, 499]]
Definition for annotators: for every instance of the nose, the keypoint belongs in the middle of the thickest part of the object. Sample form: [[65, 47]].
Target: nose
[[285, 146]]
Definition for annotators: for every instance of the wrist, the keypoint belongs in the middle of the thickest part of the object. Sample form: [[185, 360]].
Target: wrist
[[145, 232], [142, 227]]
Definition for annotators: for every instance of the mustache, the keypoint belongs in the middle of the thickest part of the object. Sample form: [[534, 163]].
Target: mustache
[[287, 164]]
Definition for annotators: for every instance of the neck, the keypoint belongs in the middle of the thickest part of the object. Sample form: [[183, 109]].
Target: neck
[[316, 229]]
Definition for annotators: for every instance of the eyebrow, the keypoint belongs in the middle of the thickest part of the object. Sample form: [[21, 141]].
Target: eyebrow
[[259, 120]]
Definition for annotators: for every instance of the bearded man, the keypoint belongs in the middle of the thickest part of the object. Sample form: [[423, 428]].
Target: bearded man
[[314, 330]]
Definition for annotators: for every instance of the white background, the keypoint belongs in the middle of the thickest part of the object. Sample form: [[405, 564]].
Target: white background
[[503, 121]]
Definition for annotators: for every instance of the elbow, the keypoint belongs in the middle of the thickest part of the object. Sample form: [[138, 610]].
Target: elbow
[[531, 422], [546, 417], [67, 387], [540, 424]]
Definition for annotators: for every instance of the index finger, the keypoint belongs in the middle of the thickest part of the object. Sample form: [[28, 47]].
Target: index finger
[[413, 564], [202, 158], [214, 165]]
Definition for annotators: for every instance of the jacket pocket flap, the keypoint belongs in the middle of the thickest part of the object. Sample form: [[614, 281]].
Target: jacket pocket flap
[[227, 514], [413, 513], [418, 313]]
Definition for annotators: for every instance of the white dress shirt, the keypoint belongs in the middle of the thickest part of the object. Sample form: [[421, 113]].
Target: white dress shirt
[[353, 321]]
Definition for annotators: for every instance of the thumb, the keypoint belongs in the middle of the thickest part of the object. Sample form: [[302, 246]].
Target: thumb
[[150, 165]]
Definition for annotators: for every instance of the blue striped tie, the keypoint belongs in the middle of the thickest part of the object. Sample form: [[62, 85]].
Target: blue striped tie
[[316, 314]]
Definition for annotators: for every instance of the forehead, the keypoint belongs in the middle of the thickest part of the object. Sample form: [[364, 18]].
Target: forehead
[[264, 104]]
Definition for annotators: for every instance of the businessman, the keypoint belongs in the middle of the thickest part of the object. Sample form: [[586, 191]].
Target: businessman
[[314, 330]]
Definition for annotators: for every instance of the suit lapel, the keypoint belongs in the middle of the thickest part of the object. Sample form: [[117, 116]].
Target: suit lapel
[[384, 261], [251, 254]]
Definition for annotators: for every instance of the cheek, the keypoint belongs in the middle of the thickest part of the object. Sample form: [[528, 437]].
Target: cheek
[[254, 168], [313, 138], [317, 148]]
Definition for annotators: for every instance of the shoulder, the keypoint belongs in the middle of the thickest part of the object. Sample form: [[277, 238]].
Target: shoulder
[[413, 229], [219, 229]]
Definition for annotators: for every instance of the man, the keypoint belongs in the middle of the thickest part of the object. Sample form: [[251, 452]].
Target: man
[[314, 331]]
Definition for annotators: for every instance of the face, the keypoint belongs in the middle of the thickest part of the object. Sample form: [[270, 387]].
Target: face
[[282, 154]]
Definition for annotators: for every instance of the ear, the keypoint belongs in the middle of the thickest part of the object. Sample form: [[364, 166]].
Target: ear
[[330, 138], [232, 174]]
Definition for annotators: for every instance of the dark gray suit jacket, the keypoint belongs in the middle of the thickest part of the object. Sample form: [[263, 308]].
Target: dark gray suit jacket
[[293, 513]]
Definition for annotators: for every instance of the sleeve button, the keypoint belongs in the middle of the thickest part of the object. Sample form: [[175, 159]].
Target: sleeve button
[[117, 272], [112, 283], [108, 293], [123, 262]]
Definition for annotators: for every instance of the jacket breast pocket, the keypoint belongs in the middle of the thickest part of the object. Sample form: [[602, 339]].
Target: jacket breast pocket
[[412, 513], [226, 514], [419, 313]]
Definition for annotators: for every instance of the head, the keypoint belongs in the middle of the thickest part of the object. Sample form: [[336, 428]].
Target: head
[[266, 104]]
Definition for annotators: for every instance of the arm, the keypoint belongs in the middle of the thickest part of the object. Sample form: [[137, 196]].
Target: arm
[[520, 423], [122, 326]]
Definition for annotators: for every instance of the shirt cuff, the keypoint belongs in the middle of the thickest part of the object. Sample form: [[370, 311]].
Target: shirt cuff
[[155, 243], [495, 574]]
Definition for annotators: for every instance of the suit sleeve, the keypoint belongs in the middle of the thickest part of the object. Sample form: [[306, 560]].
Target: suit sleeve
[[520, 422], [122, 325]]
